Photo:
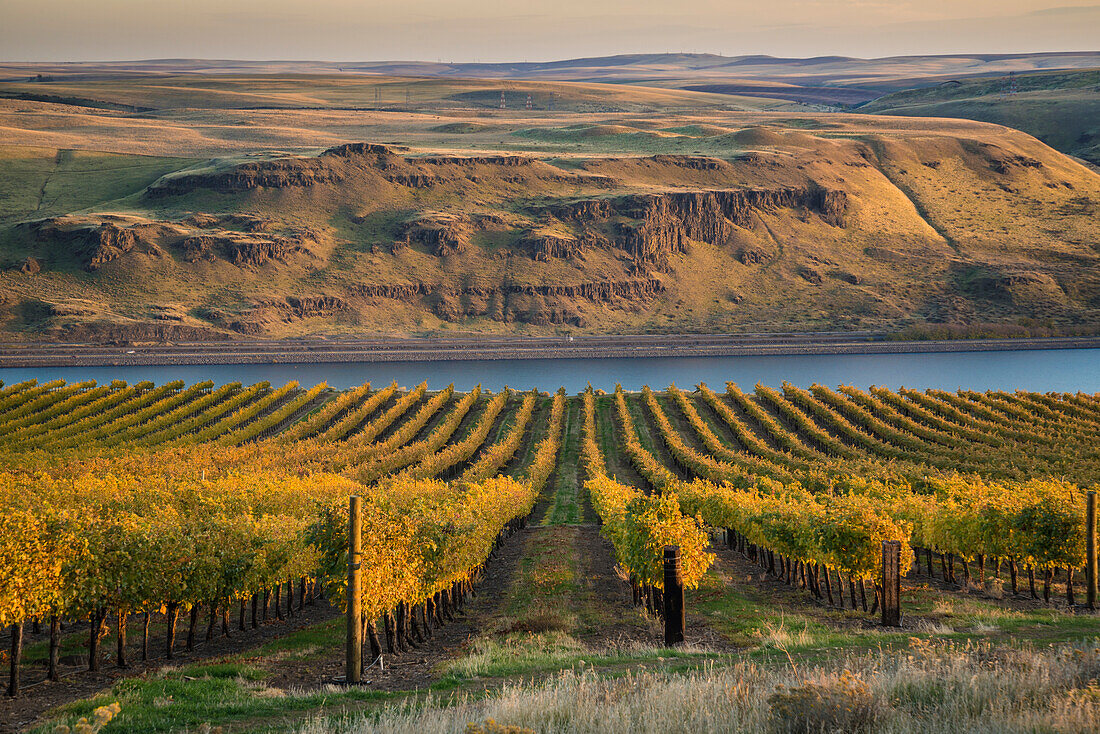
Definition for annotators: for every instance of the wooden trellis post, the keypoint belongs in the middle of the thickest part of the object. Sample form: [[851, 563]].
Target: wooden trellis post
[[673, 597], [891, 583], [1090, 550], [354, 665]]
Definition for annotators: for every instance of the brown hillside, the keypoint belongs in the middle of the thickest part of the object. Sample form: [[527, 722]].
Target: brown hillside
[[527, 222]]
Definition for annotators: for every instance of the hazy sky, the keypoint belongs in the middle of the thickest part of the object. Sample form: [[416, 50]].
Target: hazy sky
[[516, 30]]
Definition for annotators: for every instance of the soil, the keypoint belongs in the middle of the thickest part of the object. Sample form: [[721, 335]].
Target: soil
[[40, 696], [743, 571], [1021, 601]]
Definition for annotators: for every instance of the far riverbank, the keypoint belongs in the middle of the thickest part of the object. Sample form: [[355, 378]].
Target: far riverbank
[[382, 349]]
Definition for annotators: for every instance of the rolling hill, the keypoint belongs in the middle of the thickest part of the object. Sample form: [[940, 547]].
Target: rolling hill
[[1060, 108], [199, 216], [874, 76]]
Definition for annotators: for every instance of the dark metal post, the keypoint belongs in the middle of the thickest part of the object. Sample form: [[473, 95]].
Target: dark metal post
[[891, 583], [673, 597]]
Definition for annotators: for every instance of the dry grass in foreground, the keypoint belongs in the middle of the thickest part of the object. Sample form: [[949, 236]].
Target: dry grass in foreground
[[927, 688]]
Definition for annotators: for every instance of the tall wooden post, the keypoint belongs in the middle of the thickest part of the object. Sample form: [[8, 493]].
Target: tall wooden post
[[673, 597], [891, 583], [1090, 550], [354, 665]]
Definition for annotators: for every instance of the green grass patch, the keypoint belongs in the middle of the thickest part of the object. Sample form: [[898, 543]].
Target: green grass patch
[[565, 506], [526, 653], [42, 182], [306, 643], [175, 699]]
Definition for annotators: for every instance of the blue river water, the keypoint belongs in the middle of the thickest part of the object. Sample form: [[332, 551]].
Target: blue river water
[[1043, 370]]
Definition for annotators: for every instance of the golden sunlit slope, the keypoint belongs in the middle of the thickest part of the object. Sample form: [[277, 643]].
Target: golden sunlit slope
[[1060, 108], [264, 222], [226, 91], [210, 115]]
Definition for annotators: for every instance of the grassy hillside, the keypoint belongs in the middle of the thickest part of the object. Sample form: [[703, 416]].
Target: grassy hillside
[[1060, 108], [822, 79], [666, 211], [297, 91]]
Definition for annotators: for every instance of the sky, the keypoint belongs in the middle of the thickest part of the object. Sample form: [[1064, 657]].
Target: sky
[[520, 30]]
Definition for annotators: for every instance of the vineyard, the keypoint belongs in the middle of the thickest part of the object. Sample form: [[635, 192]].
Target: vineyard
[[226, 506]]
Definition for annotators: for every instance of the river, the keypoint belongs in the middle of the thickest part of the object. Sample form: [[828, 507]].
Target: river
[[1042, 370]]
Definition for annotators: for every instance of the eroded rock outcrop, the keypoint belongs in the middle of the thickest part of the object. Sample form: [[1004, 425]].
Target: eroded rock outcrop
[[276, 174], [348, 150], [545, 245], [348, 162], [543, 303], [1001, 160], [199, 237], [756, 255], [280, 310], [443, 234], [245, 222], [652, 226], [94, 245], [599, 290], [507, 161], [106, 243], [241, 251], [256, 252], [692, 162], [1021, 288]]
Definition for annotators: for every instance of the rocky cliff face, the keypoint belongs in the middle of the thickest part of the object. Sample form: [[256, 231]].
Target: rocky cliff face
[[94, 245], [653, 226], [349, 150], [531, 304], [105, 243], [524, 303], [692, 162], [278, 174], [649, 227], [344, 163], [597, 291], [547, 246], [260, 316], [506, 161], [443, 234], [235, 220], [242, 251], [201, 237]]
